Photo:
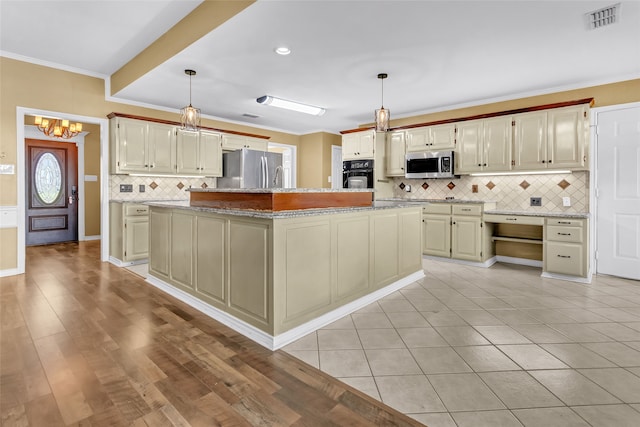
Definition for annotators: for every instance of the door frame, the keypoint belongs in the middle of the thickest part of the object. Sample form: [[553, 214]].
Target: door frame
[[593, 177], [294, 160], [21, 113]]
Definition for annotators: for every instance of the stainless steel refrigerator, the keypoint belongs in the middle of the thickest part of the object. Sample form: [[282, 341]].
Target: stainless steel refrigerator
[[251, 169]]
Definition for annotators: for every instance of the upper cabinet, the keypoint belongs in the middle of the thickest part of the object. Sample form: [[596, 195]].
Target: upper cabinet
[[237, 142], [199, 153], [432, 138], [484, 145], [358, 145], [143, 147], [395, 153], [552, 139]]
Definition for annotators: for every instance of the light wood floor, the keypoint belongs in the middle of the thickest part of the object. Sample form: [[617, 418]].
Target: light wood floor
[[86, 343]]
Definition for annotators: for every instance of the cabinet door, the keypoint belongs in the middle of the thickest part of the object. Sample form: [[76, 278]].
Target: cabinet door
[[256, 144], [132, 145], [366, 147], [469, 153], [136, 238], [437, 235], [466, 238], [395, 154], [159, 242], [565, 258], [181, 259], [233, 142], [161, 143], [210, 153], [187, 158], [350, 146], [442, 136], [210, 269], [418, 139], [531, 141], [497, 144], [566, 145]]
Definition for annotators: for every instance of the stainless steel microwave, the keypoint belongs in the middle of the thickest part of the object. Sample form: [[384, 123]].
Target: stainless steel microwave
[[429, 164]]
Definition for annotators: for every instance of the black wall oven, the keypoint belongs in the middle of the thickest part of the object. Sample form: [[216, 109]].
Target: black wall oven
[[357, 174]]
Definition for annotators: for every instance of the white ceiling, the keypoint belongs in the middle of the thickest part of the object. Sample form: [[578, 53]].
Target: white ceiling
[[438, 54]]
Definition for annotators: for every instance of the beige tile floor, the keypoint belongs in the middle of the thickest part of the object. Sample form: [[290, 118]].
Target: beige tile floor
[[502, 346]]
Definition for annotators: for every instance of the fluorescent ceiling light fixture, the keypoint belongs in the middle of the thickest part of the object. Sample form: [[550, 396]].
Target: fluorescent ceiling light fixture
[[290, 105], [551, 172], [282, 50]]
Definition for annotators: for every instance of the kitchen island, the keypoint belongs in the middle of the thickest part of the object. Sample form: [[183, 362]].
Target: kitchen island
[[276, 275]]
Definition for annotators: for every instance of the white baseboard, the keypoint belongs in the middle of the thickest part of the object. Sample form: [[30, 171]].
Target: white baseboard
[[87, 238], [519, 261], [488, 263], [120, 263], [576, 279], [279, 341], [9, 272]]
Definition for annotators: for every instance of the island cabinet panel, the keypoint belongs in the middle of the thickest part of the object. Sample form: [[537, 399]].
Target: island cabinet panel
[[308, 251], [159, 243], [210, 268], [249, 268], [182, 228], [352, 255], [410, 241], [386, 249]]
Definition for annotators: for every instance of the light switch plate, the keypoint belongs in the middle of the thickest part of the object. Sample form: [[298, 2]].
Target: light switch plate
[[566, 201]]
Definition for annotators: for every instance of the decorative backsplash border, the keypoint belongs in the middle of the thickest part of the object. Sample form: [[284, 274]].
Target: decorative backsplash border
[[510, 192], [156, 187]]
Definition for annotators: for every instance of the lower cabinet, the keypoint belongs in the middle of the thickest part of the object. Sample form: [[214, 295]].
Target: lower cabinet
[[129, 231], [566, 247], [456, 231]]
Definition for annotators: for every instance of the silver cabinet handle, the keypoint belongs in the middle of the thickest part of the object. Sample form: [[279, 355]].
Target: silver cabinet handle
[[564, 256], [564, 234], [511, 219]]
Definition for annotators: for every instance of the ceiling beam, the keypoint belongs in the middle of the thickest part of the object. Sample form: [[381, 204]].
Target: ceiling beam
[[209, 15]]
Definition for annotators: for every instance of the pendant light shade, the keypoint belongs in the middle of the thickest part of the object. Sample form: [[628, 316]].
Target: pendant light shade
[[382, 115], [190, 116]]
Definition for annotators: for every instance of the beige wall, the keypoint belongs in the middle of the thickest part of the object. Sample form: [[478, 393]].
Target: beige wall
[[92, 188], [315, 159]]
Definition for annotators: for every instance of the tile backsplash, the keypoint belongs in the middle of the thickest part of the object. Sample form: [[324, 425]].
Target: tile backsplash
[[156, 187], [510, 192]]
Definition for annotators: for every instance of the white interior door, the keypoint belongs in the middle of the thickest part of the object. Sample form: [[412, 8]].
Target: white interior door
[[618, 192], [336, 166]]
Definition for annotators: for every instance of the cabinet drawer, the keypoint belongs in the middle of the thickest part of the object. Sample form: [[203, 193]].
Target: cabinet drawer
[[133, 210], [565, 258], [513, 219], [467, 210], [565, 234], [437, 208], [565, 222]]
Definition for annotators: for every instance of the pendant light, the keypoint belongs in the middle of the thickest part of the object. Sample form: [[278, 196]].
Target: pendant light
[[190, 116], [382, 115]]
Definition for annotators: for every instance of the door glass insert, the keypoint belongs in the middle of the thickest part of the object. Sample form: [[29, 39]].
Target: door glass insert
[[48, 178]]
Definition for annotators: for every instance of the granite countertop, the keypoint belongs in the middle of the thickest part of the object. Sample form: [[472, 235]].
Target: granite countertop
[[280, 190], [460, 201], [143, 201], [377, 205], [539, 213]]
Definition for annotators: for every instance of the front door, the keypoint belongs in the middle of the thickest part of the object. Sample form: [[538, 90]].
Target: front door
[[52, 192], [618, 192]]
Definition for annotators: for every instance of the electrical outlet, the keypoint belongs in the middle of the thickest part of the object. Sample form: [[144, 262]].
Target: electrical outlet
[[407, 188], [536, 201], [126, 188], [141, 188], [566, 201]]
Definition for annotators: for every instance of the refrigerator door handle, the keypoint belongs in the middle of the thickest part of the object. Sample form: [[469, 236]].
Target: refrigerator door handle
[[263, 168], [266, 171]]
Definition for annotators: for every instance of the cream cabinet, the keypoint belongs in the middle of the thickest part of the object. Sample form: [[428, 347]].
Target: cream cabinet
[[199, 153], [395, 153], [231, 142], [159, 242], [432, 138], [551, 139], [566, 247], [142, 147], [128, 232], [484, 145], [456, 231], [358, 145]]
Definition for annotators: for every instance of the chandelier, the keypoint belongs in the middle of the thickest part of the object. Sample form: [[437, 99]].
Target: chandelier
[[58, 128], [382, 115], [190, 116]]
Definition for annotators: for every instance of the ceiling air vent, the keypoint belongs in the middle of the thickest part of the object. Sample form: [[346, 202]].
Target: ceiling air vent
[[603, 17], [250, 116]]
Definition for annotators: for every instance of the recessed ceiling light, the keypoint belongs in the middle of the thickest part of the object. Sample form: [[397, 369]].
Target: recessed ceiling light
[[282, 50]]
